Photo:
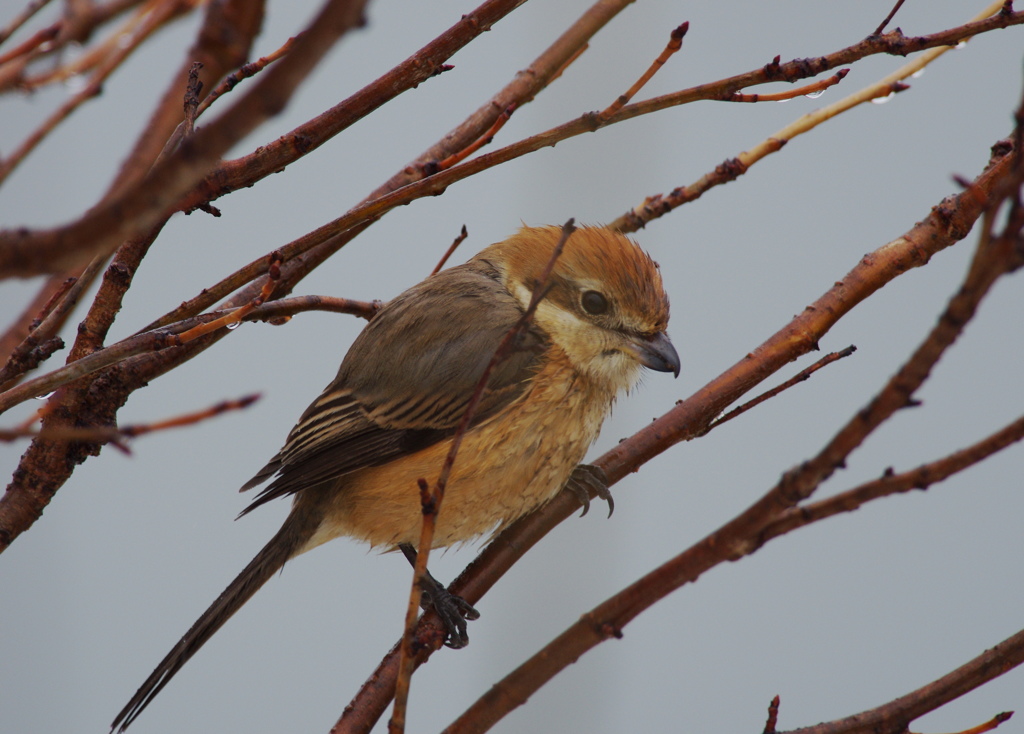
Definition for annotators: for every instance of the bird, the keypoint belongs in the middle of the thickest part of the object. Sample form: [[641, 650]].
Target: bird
[[353, 462]]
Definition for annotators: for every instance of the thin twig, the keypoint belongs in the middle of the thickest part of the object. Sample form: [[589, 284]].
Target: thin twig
[[794, 380], [485, 139], [435, 184], [22, 18], [114, 435], [56, 313], [436, 498], [989, 725], [884, 23], [232, 319], [193, 89], [675, 42], [451, 249], [167, 337], [244, 72], [773, 716], [812, 90], [895, 715], [111, 60], [889, 483], [20, 360], [30, 44]]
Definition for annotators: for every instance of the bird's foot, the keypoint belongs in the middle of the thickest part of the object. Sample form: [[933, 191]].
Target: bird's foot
[[453, 611], [586, 477]]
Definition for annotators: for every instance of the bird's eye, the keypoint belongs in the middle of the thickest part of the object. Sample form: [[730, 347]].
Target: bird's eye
[[594, 303]]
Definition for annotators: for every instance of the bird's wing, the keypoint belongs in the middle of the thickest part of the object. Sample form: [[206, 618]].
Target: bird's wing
[[407, 380]]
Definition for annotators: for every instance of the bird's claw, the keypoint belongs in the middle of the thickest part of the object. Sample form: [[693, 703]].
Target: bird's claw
[[452, 610], [586, 477]]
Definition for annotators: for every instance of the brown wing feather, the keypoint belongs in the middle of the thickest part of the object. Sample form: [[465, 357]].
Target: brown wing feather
[[407, 380]]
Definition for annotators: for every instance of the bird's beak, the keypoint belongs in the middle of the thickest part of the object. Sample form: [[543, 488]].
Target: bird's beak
[[657, 353]]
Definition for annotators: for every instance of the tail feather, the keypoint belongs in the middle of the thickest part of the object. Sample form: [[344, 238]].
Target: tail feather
[[295, 532]]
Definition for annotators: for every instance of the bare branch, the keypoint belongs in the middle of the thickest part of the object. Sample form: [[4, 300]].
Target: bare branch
[[374, 208], [329, 238], [812, 90], [170, 336], [920, 478], [24, 253], [894, 717], [148, 24]]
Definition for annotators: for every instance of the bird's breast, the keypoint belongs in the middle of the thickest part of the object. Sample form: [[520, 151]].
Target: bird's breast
[[515, 461]]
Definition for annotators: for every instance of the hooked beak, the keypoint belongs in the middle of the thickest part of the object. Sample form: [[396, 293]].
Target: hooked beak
[[657, 353]]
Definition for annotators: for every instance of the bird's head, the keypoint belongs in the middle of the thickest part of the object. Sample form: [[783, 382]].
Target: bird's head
[[605, 305]]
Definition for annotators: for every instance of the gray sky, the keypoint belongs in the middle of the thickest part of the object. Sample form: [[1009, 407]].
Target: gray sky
[[836, 618]]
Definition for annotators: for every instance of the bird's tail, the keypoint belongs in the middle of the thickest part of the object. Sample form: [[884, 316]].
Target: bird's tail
[[298, 528]]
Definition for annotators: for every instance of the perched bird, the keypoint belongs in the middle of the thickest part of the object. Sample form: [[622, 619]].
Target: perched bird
[[387, 420]]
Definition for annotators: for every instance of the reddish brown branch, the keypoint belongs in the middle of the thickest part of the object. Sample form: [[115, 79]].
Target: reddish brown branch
[[429, 501], [895, 716], [26, 322], [438, 183], [281, 310], [30, 352], [232, 319], [326, 240], [167, 337], [30, 44], [139, 208], [889, 483], [116, 435]]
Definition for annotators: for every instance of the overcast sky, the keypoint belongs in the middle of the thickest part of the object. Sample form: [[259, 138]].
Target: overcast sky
[[836, 618]]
